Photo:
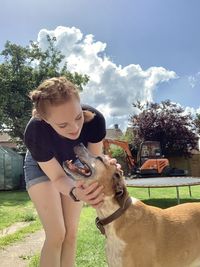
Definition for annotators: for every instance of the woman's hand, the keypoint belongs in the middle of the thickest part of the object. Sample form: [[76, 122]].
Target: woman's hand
[[91, 194], [113, 161]]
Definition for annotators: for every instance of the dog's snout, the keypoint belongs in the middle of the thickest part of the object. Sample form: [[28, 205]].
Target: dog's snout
[[79, 147], [99, 158]]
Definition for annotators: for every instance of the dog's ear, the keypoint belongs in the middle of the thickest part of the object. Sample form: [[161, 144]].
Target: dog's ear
[[119, 187]]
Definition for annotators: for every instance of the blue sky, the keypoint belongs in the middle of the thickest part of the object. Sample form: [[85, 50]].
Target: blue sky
[[144, 33]]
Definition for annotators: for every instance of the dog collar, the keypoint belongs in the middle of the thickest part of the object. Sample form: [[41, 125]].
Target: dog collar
[[100, 223]]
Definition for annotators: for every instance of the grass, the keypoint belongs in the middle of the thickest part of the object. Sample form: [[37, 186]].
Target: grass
[[166, 197], [16, 206], [90, 251], [34, 262]]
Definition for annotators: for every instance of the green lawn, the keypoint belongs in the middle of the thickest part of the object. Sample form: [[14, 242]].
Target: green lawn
[[16, 206], [166, 197]]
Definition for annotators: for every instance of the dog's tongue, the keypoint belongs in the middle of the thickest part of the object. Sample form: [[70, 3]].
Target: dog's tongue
[[77, 166], [70, 165]]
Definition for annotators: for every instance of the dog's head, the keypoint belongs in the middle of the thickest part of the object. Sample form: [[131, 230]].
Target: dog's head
[[98, 169]]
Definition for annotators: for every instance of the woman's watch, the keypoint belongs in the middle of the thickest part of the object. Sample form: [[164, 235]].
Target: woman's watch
[[72, 195]]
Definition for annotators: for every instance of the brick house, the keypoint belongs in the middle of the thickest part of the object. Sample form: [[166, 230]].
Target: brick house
[[114, 133]]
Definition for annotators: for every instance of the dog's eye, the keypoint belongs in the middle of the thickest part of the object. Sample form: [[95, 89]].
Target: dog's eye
[[117, 176], [99, 158]]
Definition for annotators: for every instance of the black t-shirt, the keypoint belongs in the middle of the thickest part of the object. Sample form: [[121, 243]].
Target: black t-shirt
[[44, 142]]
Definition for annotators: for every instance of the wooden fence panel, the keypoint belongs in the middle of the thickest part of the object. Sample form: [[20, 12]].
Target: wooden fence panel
[[191, 164]]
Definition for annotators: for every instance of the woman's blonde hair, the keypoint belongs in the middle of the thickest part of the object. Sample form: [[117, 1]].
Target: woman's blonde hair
[[54, 92]]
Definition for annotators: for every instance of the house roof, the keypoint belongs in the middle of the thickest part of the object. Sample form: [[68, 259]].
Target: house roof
[[4, 137], [114, 133]]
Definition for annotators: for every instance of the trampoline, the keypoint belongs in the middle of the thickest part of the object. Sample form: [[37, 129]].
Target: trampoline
[[157, 182]]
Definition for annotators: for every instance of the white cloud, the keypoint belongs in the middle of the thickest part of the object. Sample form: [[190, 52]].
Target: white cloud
[[112, 88], [194, 80]]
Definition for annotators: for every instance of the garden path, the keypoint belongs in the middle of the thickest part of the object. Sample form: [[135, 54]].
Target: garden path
[[18, 254]]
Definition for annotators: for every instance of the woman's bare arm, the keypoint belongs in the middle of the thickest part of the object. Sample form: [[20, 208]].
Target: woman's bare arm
[[56, 174]]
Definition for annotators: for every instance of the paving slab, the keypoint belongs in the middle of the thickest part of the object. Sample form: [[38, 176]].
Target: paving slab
[[17, 255]]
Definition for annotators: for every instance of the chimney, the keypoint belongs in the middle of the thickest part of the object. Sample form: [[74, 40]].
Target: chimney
[[116, 126]]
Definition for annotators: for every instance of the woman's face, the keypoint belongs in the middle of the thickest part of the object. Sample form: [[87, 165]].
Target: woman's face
[[67, 119]]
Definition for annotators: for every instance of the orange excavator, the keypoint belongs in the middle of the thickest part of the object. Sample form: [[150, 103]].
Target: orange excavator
[[148, 161]]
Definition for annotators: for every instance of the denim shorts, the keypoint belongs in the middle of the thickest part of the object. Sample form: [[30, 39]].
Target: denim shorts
[[32, 172]]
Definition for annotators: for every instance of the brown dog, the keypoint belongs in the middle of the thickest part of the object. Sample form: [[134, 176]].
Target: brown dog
[[138, 235]]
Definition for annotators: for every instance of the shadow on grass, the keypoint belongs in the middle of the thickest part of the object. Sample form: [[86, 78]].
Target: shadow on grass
[[167, 202], [12, 198]]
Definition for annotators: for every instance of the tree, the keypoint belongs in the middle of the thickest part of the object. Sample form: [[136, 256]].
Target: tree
[[23, 69], [197, 122], [167, 123]]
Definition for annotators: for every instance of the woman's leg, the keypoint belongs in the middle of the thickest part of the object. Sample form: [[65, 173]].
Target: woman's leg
[[47, 201], [71, 214]]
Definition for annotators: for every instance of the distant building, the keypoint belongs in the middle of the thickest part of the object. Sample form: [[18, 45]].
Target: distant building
[[114, 133], [5, 140]]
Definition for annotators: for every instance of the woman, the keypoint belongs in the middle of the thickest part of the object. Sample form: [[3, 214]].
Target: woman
[[59, 123]]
